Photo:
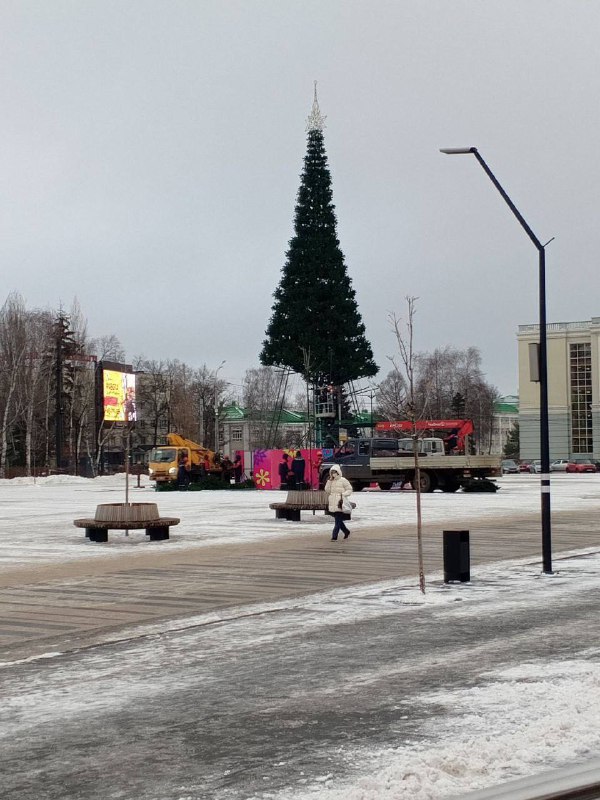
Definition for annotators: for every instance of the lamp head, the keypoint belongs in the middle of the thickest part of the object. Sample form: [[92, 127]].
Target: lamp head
[[458, 151]]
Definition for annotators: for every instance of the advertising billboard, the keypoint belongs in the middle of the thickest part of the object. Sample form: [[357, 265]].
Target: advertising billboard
[[118, 390]]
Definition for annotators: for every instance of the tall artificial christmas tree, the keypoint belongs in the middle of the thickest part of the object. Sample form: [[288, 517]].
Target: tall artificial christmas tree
[[316, 328]]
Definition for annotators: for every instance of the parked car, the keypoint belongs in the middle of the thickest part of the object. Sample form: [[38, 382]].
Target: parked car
[[535, 466], [581, 465], [509, 466], [560, 465], [524, 466]]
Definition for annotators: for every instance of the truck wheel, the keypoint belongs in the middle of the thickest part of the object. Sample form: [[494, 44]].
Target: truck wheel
[[428, 482]]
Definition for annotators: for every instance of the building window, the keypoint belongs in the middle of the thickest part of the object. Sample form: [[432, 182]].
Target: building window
[[236, 434], [582, 440]]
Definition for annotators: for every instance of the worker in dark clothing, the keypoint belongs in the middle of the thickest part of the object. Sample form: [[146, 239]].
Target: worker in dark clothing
[[237, 468], [285, 472], [183, 472], [451, 443], [227, 469], [298, 468]]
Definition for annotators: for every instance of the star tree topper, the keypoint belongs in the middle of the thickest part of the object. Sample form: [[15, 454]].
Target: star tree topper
[[316, 120]]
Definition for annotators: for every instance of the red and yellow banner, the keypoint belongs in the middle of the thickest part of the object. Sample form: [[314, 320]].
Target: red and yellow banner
[[119, 396]]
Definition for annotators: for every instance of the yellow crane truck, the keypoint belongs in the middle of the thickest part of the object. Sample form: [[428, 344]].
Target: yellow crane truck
[[163, 462]]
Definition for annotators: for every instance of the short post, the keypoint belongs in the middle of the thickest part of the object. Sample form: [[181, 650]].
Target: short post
[[457, 561]]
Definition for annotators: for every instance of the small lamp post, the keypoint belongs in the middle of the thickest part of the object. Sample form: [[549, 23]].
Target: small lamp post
[[543, 358]]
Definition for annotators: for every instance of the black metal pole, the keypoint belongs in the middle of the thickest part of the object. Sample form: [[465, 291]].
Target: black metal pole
[[543, 366], [544, 427]]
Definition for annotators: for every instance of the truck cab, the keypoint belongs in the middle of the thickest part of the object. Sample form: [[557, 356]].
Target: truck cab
[[354, 458], [163, 463]]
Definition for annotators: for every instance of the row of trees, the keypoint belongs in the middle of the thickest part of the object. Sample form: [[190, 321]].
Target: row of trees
[[47, 386], [48, 415], [47, 392], [448, 384]]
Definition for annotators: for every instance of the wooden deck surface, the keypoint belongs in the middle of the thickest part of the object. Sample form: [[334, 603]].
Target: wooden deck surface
[[60, 607]]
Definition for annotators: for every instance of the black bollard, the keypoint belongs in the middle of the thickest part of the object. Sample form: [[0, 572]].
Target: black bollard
[[457, 561]]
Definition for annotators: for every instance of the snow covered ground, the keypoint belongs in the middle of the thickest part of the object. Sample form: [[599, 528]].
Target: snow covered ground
[[530, 715], [499, 723], [36, 518], [533, 716]]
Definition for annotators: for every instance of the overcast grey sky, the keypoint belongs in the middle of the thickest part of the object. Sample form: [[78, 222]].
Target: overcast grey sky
[[150, 155]]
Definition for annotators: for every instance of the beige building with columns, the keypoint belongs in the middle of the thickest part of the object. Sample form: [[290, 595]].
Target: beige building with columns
[[573, 390]]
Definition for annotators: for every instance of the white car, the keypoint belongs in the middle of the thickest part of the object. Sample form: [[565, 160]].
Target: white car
[[535, 466], [559, 466]]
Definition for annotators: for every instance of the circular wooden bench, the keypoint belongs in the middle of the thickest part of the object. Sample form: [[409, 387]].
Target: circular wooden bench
[[126, 517]]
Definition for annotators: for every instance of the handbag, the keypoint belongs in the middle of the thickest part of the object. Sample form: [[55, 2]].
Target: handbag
[[346, 505]]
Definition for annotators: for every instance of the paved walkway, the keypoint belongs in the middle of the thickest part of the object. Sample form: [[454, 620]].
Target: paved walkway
[[71, 605]]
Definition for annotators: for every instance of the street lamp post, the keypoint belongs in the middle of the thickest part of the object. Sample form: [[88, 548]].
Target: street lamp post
[[217, 409], [543, 359]]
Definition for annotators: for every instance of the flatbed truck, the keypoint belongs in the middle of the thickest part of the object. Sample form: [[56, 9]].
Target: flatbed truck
[[391, 461]]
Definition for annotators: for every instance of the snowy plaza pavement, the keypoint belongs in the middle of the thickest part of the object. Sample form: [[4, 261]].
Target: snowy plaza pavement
[[351, 694], [36, 524]]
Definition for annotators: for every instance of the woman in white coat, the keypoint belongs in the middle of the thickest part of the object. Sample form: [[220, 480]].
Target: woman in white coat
[[337, 488]]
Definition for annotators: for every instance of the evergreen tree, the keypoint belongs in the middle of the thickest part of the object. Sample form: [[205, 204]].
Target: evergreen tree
[[316, 328], [458, 405]]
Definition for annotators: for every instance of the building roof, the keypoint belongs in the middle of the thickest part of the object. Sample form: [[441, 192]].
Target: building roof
[[235, 413], [509, 404]]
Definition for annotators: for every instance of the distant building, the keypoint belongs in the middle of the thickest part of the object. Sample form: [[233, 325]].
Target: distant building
[[241, 429], [573, 390], [506, 415]]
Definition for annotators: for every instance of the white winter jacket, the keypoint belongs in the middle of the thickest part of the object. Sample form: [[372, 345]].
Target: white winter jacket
[[337, 487]]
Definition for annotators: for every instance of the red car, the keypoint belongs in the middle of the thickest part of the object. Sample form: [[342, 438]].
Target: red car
[[581, 465]]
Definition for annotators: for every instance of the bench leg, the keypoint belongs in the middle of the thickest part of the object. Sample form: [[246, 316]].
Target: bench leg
[[158, 534], [280, 513], [293, 515], [97, 534]]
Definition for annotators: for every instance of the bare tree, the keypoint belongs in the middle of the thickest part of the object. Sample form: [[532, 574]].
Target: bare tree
[[406, 368], [439, 378], [205, 391], [35, 385], [153, 395], [263, 393], [391, 395], [261, 388], [108, 348], [13, 353], [184, 413]]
